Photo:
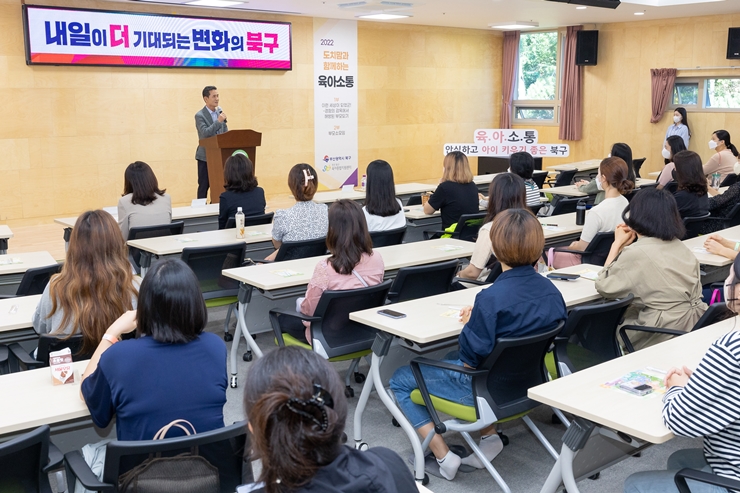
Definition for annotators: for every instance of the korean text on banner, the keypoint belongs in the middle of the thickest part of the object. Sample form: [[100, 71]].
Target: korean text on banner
[[335, 102], [506, 150]]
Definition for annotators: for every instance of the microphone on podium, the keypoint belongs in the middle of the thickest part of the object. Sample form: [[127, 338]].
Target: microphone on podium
[[219, 110]]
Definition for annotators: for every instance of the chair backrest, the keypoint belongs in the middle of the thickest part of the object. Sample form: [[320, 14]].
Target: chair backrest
[[34, 281], [50, 343], [336, 334], [414, 200], [715, 313], [422, 281], [222, 448], [514, 366], [539, 178], [672, 187], [730, 179], [141, 232], [207, 264], [733, 217], [388, 238], [496, 270], [22, 460], [637, 165], [590, 336], [468, 226], [292, 250], [565, 178], [694, 225], [251, 220], [598, 249], [535, 208], [565, 206]]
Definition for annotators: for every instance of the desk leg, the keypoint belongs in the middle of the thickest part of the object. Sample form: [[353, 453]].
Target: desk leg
[[146, 262], [3, 246], [367, 388], [67, 234], [245, 296]]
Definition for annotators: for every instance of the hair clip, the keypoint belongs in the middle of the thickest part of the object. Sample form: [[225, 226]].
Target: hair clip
[[321, 396], [239, 151], [307, 177], [308, 409]]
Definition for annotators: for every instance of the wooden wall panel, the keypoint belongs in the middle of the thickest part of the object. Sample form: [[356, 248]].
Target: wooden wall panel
[[73, 130]]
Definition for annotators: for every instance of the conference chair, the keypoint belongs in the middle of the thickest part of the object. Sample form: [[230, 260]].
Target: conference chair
[[27, 460], [596, 251], [422, 281], [500, 386], [414, 200], [20, 360], [333, 335], [223, 449], [495, 270], [292, 250], [388, 238], [703, 477], [34, 281], [565, 178], [715, 313], [535, 208], [466, 228], [251, 220], [694, 225], [539, 178], [565, 206], [637, 166], [141, 259], [671, 187], [730, 179], [207, 264], [588, 338]]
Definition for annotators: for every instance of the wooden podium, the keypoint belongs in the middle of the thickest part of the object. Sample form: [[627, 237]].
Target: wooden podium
[[220, 147]]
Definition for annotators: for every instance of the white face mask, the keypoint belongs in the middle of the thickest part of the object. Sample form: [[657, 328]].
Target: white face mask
[[666, 153], [712, 144], [676, 118], [609, 155], [736, 169], [598, 183]]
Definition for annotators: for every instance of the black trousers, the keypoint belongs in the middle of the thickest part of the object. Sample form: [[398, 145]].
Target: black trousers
[[202, 179]]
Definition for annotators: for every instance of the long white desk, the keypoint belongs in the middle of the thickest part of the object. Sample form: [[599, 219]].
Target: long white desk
[[612, 410], [16, 317], [14, 266], [572, 190], [403, 191], [5, 235], [696, 245], [587, 165], [257, 238], [274, 286], [196, 219], [430, 322]]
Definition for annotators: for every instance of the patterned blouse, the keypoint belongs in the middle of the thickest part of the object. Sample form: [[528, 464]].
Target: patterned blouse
[[304, 221]]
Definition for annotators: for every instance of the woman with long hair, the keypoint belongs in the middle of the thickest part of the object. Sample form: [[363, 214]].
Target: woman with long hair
[[383, 211], [691, 194], [507, 191], [351, 265], [241, 189], [673, 145], [456, 193], [296, 413], [94, 288], [142, 203], [680, 126], [725, 156]]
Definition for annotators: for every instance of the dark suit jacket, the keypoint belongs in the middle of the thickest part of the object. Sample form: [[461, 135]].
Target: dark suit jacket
[[206, 127]]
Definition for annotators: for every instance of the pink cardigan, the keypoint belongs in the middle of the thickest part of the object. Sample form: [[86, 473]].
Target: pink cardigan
[[325, 278]]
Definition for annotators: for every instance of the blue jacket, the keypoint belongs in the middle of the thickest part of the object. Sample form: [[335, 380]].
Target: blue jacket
[[521, 302]]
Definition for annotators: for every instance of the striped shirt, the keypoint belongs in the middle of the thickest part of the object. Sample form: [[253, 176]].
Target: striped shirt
[[533, 192], [709, 406]]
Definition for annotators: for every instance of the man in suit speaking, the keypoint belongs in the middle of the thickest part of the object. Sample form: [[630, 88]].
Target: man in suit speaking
[[209, 121]]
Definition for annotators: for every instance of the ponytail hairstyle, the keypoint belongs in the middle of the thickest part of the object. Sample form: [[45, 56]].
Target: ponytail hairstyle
[[303, 182], [296, 409], [622, 150], [724, 135], [614, 170]]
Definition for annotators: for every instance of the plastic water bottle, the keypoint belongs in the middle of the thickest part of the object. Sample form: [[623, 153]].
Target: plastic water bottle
[[715, 180], [239, 218], [363, 183], [581, 213]]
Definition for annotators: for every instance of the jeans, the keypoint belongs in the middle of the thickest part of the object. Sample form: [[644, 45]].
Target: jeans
[[446, 384], [662, 481]]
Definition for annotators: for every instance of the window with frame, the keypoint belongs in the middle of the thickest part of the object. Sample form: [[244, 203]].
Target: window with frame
[[707, 94], [537, 87]]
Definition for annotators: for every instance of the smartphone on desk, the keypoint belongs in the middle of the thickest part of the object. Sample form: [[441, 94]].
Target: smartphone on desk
[[635, 388], [391, 314], [562, 277]]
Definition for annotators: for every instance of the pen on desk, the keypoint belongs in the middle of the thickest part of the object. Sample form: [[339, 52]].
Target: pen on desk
[[554, 225], [13, 309]]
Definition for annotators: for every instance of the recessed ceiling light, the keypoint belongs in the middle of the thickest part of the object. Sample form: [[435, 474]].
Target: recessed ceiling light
[[582, 7], [639, 13], [214, 3], [514, 25], [383, 17]]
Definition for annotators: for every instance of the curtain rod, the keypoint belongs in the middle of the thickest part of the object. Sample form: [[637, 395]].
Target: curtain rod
[[709, 68]]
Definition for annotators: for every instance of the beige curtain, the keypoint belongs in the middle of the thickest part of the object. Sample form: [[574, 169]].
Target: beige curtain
[[571, 112], [511, 57], [662, 85]]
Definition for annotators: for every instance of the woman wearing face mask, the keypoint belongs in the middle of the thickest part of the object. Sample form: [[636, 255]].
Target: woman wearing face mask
[[680, 127], [725, 157], [620, 150], [673, 145]]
